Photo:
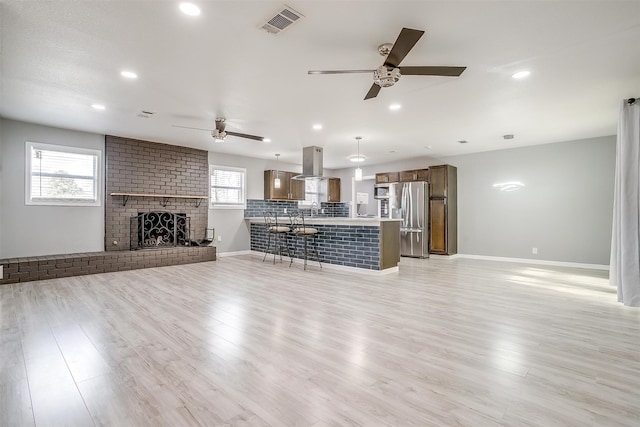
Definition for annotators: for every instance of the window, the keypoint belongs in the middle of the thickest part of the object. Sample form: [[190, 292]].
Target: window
[[227, 187], [314, 191], [59, 175]]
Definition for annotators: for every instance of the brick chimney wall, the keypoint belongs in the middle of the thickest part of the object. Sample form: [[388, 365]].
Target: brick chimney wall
[[134, 166]]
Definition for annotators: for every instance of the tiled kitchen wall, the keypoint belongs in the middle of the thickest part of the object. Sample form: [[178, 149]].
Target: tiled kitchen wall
[[145, 167], [257, 207], [348, 245]]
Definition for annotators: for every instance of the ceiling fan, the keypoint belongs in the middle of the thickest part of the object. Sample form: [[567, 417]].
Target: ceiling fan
[[390, 71], [220, 133]]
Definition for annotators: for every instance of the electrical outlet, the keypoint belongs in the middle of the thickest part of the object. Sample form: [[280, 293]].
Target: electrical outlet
[[285, 210], [534, 251], [322, 210], [1, 271], [219, 238]]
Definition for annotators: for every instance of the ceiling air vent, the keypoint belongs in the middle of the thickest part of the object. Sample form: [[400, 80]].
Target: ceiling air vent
[[146, 114], [281, 20]]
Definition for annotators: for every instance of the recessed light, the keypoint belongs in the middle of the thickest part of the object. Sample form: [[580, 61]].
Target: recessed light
[[98, 106], [357, 159], [266, 139], [189, 9], [394, 107], [129, 74], [462, 141], [317, 126], [521, 75]]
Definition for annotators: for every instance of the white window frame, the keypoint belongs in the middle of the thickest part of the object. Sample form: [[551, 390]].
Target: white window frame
[[311, 197], [97, 175], [243, 205]]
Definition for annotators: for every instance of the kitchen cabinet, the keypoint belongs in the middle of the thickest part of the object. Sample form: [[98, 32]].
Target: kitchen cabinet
[[414, 175], [333, 190], [442, 178], [296, 187], [387, 177], [290, 189], [443, 205]]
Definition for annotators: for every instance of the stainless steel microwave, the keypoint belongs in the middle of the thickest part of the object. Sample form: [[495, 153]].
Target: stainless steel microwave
[[381, 191]]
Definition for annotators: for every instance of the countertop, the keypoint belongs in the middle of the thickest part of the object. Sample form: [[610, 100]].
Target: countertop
[[364, 221]]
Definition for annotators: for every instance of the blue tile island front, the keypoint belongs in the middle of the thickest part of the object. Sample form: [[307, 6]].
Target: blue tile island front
[[367, 243]]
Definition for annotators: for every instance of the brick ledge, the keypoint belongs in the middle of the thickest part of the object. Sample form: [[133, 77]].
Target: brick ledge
[[27, 269]]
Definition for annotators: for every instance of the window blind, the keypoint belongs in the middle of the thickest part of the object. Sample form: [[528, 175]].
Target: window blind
[[62, 176], [227, 187]]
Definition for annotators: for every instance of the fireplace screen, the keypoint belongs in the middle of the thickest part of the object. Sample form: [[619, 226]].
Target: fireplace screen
[[159, 229]]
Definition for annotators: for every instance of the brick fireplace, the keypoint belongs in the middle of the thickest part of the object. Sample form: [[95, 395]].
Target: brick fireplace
[[148, 172], [149, 168]]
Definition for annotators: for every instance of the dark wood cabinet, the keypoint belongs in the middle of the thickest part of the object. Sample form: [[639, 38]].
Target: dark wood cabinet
[[296, 187], [443, 205], [414, 175], [333, 190], [439, 180], [437, 210], [290, 189], [387, 177]]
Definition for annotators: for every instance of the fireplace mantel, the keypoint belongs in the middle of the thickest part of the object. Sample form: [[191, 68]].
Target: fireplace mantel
[[165, 197]]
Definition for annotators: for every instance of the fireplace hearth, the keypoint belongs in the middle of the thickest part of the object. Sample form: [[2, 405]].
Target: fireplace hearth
[[155, 230]]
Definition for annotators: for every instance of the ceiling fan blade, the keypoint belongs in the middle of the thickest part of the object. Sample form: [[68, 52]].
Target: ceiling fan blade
[[432, 71], [189, 127], [244, 135], [405, 42], [373, 92], [339, 71]]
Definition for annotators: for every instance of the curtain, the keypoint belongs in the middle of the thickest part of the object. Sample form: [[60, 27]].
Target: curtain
[[625, 240]]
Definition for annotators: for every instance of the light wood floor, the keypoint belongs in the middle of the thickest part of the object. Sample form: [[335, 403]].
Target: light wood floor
[[239, 342]]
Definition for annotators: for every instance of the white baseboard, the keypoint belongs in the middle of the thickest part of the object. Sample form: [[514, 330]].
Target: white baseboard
[[532, 261], [236, 253], [435, 256], [314, 265]]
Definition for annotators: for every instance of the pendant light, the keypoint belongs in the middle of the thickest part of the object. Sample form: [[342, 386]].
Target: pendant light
[[276, 182], [358, 170]]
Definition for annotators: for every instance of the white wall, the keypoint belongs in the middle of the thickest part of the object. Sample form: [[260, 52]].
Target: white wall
[[1, 256], [43, 230], [564, 210]]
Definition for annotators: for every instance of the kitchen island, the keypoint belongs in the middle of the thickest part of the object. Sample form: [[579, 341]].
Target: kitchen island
[[366, 243]]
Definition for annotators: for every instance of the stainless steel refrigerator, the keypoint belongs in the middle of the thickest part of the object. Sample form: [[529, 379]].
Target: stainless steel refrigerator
[[410, 201]]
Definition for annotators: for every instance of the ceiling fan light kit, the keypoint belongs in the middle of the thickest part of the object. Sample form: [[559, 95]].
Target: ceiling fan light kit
[[219, 134], [390, 71], [385, 77]]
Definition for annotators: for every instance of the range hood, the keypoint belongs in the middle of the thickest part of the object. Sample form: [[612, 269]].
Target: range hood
[[311, 163]]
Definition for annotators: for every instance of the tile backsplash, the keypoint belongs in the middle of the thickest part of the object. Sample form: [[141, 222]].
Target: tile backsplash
[[257, 208]]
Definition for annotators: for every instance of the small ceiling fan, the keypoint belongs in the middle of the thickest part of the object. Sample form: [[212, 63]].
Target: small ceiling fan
[[390, 71], [220, 133]]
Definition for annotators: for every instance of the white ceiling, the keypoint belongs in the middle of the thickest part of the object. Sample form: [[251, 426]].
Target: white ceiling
[[59, 57]]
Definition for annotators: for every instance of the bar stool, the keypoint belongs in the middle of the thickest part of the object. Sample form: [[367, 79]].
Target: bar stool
[[279, 233], [298, 229]]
